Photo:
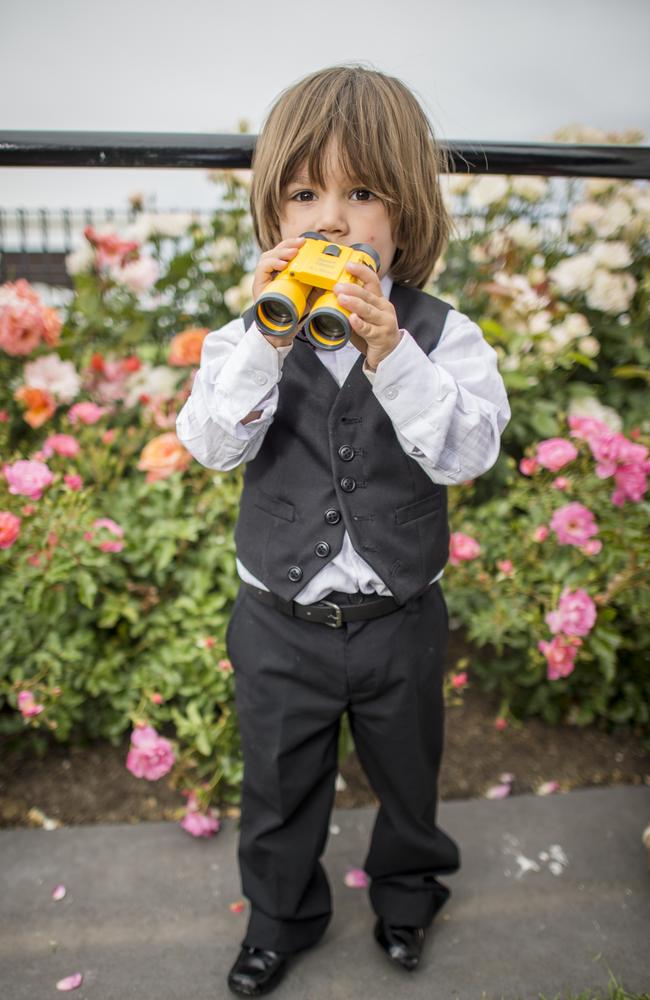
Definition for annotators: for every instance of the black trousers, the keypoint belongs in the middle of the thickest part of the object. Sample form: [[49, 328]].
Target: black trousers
[[293, 681]]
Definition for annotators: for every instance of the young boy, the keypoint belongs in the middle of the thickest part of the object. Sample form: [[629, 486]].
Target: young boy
[[342, 535]]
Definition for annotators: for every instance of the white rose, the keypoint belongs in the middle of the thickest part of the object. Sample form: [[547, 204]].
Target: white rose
[[580, 133], [540, 322], [611, 292], [616, 215], [589, 406], [589, 346], [530, 188], [584, 215], [459, 183], [238, 298], [478, 254], [523, 234], [612, 254], [577, 324], [488, 190], [137, 275], [594, 186], [154, 381], [51, 373], [222, 252], [80, 261], [573, 274]]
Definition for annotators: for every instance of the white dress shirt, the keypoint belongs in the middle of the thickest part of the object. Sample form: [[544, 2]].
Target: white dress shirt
[[448, 410]]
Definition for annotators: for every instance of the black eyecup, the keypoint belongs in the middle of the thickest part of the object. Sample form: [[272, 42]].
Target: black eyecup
[[369, 250], [309, 235]]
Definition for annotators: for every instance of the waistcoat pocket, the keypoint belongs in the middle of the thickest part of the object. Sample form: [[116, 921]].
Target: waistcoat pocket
[[411, 511], [275, 506]]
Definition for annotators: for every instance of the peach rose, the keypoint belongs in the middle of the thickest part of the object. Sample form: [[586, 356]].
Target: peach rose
[[39, 404], [185, 347], [163, 456]]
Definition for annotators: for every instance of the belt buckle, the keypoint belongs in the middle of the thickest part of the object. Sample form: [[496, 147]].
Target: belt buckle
[[338, 617]]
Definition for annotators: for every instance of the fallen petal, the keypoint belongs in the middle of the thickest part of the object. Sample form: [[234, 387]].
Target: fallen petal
[[497, 792], [70, 982], [238, 907], [356, 878], [58, 892], [548, 788], [506, 776]]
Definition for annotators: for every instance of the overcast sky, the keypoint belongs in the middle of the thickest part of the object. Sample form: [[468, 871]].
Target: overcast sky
[[483, 69]]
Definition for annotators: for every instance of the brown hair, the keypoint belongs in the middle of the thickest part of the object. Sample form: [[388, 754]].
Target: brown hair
[[384, 140]]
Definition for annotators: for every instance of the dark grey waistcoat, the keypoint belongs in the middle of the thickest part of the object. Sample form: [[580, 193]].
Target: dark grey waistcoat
[[331, 462]]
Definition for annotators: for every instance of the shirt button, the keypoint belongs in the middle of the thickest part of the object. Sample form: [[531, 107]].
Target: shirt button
[[322, 549], [295, 574], [348, 485], [261, 378], [332, 516], [391, 392], [346, 453]]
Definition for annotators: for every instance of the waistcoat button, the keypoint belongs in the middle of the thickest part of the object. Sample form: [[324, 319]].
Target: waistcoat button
[[348, 484], [295, 574], [346, 453], [332, 516], [322, 549]]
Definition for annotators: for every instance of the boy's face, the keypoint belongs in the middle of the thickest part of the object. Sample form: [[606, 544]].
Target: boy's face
[[342, 212]]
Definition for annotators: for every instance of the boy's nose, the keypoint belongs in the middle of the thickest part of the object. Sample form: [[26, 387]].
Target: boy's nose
[[332, 222]]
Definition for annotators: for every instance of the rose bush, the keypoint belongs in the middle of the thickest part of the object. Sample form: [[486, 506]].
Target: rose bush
[[556, 591], [557, 274]]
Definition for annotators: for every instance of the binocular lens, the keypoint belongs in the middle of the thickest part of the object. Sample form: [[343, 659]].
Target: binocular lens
[[277, 312], [328, 326]]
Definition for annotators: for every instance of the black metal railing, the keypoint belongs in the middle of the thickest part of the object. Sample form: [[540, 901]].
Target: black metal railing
[[191, 150], [34, 242]]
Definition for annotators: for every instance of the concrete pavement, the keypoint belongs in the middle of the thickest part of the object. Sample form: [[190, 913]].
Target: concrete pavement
[[553, 892]]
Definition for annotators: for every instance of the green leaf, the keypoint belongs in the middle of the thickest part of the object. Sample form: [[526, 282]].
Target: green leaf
[[86, 588]]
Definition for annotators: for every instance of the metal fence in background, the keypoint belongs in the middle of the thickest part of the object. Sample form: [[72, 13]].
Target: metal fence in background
[[35, 242]]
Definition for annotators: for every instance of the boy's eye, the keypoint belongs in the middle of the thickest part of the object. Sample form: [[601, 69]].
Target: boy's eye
[[360, 194]]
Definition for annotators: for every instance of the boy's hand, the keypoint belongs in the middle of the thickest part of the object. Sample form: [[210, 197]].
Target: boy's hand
[[375, 331], [270, 263]]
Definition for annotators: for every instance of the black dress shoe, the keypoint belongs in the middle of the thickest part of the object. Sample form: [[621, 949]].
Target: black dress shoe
[[256, 971], [403, 945]]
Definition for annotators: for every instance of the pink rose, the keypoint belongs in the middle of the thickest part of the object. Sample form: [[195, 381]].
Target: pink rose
[[606, 448], [27, 705], [561, 483], [540, 534], [462, 548], [528, 466], [27, 478], [73, 481], [506, 567], [573, 524], [587, 427], [554, 453], [459, 680], [200, 824], [631, 483], [592, 547], [151, 756], [560, 654], [575, 614], [86, 412], [9, 529], [62, 444], [107, 545]]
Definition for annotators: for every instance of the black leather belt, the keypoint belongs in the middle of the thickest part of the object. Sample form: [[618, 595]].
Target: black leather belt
[[326, 612]]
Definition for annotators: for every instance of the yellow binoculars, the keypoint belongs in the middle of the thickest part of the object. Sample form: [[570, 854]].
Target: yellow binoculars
[[281, 308]]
